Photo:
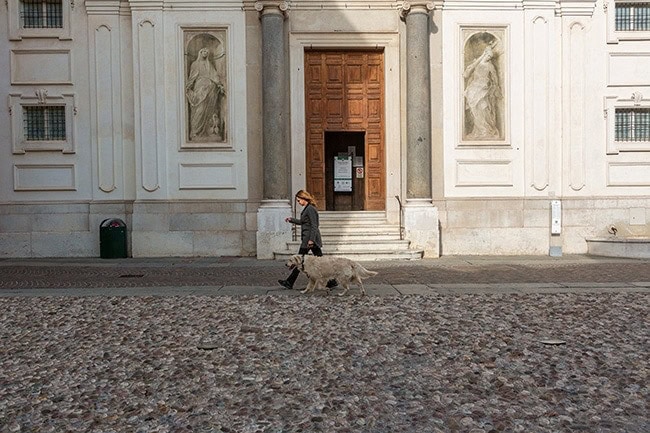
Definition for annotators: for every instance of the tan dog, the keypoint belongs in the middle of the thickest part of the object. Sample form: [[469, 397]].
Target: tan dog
[[320, 270]]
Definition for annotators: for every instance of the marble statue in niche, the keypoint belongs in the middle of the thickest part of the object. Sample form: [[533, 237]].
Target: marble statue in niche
[[206, 86], [483, 88]]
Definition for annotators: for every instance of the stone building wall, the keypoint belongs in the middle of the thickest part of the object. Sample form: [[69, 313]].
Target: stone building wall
[[123, 70]]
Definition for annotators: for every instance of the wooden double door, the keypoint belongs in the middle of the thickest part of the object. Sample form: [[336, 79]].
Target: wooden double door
[[344, 93]]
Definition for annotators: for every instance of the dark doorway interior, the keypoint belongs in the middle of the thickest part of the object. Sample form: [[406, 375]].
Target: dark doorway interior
[[345, 143]]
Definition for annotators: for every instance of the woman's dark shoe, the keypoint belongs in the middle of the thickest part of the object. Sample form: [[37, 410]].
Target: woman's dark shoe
[[286, 284]]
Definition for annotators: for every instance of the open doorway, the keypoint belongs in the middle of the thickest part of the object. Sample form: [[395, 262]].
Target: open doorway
[[345, 170]]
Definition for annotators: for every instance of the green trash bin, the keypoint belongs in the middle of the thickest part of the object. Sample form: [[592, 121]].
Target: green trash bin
[[112, 239]]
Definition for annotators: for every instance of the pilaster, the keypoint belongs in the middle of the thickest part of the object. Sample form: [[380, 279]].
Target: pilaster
[[147, 28], [106, 109]]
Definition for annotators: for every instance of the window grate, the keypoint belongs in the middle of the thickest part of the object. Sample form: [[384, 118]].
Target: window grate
[[632, 17], [632, 124], [39, 14], [44, 123]]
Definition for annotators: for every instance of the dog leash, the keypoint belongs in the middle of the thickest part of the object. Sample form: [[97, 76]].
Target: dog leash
[[302, 265]]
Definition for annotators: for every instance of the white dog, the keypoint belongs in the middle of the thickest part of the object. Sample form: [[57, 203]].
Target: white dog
[[320, 270]]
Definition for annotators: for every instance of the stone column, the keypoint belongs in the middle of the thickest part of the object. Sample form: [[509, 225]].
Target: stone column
[[418, 100], [272, 231], [274, 95], [420, 216]]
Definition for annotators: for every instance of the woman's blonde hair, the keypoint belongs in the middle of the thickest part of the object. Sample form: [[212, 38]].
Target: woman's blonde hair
[[306, 196]]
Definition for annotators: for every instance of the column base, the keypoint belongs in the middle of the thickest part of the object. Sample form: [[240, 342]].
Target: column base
[[273, 232], [421, 226]]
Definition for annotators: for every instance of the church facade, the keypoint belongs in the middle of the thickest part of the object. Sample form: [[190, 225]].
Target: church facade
[[484, 126]]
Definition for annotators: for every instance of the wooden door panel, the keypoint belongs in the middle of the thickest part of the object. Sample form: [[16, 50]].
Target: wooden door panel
[[344, 91], [374, 110], [316, 79], [354, 74], [334, 108], [356, 113], [313, 73], [317, 189], [334, 76]]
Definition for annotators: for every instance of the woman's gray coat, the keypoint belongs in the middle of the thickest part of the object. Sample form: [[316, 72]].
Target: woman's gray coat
[[309, 230]]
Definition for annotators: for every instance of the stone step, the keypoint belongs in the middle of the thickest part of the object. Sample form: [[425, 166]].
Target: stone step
[[367, 230], [358, 237], [362, 236], [363, 256], [355, 222], [367, 226], [358, 245], [352, 215]]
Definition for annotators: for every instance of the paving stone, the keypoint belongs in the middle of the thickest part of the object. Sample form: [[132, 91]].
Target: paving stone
[[466, 362]]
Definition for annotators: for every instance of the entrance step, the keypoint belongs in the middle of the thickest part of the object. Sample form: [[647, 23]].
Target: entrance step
[[364, 236]]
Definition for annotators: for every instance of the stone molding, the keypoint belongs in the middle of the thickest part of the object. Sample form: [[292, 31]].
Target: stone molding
[[322, 5], [182, 5], [103, 7], [561, 7], [576, 8], [147, 5], [539, 4], [39, 97]]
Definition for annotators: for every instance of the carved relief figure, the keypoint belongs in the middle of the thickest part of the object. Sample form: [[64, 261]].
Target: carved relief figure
[[483, 94], [205, 91]]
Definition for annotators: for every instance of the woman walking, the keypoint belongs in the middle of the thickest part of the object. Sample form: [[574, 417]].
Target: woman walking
[[310, 238]]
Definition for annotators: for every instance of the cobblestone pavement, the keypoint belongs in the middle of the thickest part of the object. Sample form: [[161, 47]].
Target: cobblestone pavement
[[454, 345]]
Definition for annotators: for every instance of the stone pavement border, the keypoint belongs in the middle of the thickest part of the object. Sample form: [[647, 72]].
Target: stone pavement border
[[234, 276], [373, 290]]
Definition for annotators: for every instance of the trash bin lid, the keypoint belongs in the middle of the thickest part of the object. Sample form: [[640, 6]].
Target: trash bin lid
[[112, 222]]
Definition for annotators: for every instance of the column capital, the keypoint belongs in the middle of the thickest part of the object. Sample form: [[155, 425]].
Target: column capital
[[272, 7], [415, 7]]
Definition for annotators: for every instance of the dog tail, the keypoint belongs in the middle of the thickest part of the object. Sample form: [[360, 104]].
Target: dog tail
[[363, 272]]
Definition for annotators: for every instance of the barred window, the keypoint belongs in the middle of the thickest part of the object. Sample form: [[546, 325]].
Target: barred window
[[632, 124], [632, 17], [40, 14], [44, 123]]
